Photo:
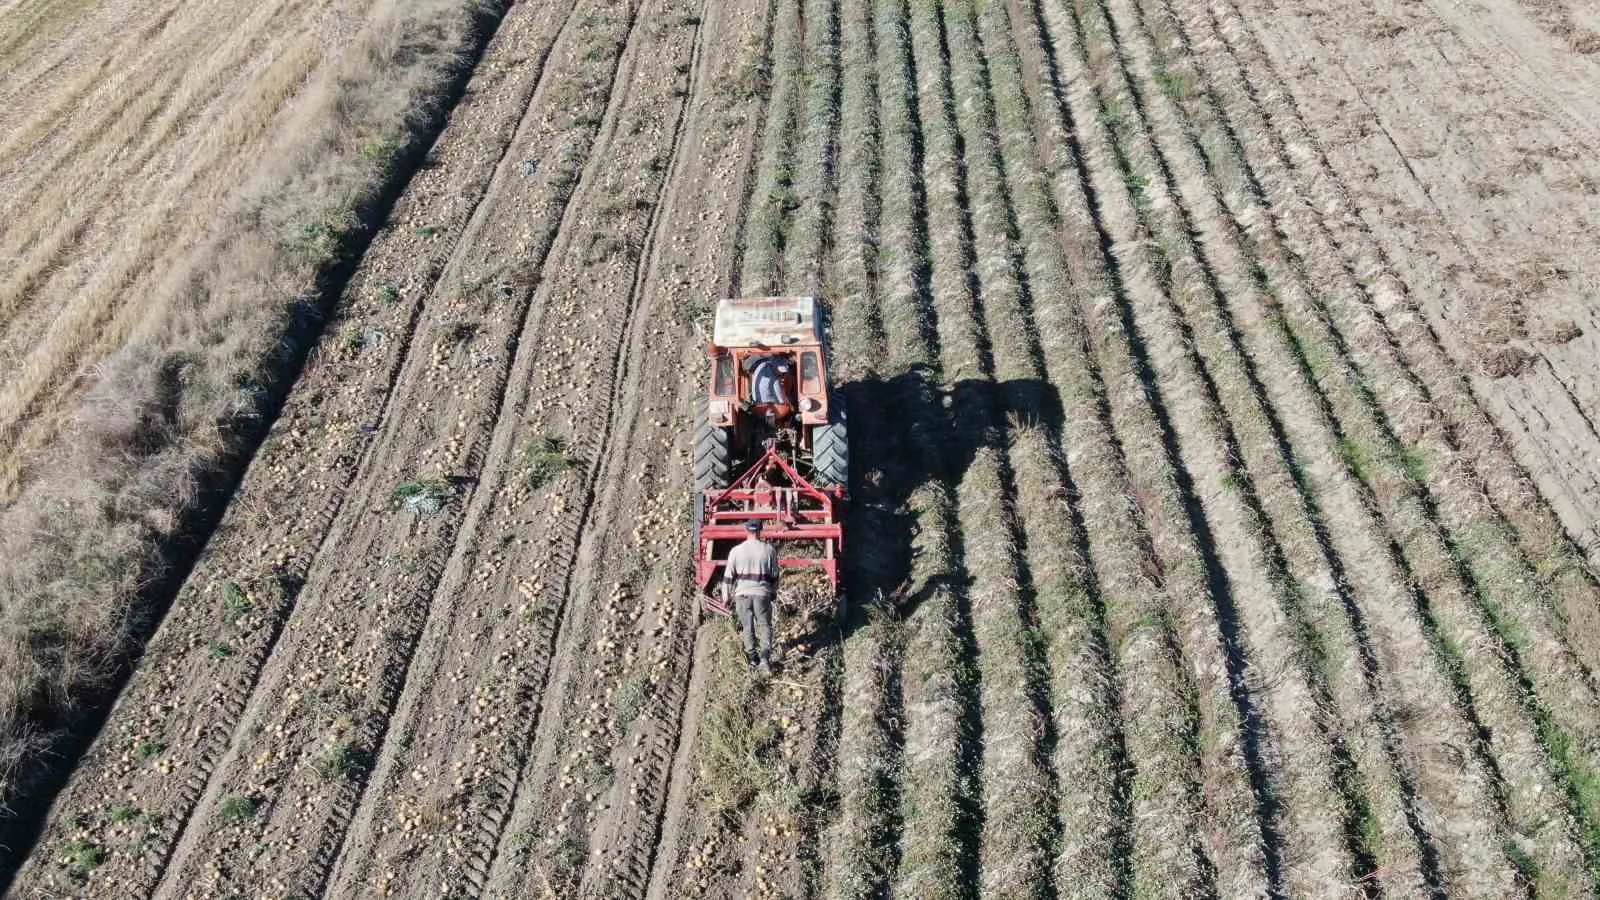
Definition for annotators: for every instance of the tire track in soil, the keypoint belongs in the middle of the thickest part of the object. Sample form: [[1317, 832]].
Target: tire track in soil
[[676, 816], [170, 728], [616, 820], [303, 698], [517, 837], [781, 835], [486, 753], [748, 849], [651, 420]]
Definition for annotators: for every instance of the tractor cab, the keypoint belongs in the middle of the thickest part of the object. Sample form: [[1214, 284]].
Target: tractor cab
[[767, 357], [770, 442]]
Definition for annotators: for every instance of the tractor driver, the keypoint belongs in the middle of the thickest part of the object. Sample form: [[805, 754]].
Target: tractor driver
[[752, 578], [766, 379]]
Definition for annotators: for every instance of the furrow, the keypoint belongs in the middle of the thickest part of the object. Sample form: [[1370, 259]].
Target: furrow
[[858, 337], [862, 847], [170, 730], [1231, 446], [771, 202], [1021, 787], [942, 813], [1533, 802], [816, 163], [1416, 445], [1210, 622], [860, 850], [1392, 339], [1381, 788], [1090, 754], [1182, 725], [332, 690]]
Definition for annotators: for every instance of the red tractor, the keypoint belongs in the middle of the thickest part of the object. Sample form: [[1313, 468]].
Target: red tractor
[[770, 442]]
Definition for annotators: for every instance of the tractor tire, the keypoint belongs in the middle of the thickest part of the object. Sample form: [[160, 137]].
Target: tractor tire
[[713, 453], [830, 449]]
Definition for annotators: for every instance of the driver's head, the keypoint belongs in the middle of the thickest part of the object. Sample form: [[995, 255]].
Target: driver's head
[[753, 528]]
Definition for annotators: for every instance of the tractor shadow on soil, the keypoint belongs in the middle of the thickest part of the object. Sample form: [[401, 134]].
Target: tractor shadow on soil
[[910, 434], [907, 433]]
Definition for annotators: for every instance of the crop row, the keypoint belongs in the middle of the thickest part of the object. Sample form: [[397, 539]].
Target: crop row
[[1192, 566]]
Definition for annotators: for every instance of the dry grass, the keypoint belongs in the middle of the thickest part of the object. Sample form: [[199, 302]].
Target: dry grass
[[814, 166], [767, 223], [1023, 825], [1352, 373], [173, 238], [855, 270], [1090, 754], [1301, 523], [942, 772], [1227, 830]]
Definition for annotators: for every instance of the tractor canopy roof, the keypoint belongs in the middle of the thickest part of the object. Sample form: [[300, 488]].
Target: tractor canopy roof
[[767, 322]]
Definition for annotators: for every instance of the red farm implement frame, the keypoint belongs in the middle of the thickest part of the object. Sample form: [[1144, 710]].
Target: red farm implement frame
[[795, 514]]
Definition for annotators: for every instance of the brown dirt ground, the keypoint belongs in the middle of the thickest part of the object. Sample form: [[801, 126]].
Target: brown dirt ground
[[1467, 135], [515, 694]]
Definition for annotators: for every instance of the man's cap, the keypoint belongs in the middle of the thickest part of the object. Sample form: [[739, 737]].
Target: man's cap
[[753, 526]]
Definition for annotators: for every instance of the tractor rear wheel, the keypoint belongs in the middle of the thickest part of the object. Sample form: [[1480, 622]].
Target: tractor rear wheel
[[830, 448], [713, 452]]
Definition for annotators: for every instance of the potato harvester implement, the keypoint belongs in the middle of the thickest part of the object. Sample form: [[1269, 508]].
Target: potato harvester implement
[[770, 441]]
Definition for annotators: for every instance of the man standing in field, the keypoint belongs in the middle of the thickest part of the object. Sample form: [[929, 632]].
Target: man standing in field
[[752, 578]]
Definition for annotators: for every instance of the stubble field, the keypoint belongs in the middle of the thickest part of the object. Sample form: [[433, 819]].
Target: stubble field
[[1223, 390]]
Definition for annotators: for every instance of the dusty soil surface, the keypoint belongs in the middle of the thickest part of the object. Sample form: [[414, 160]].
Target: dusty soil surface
[[124, 135], [1222, 389], [1466, 136]]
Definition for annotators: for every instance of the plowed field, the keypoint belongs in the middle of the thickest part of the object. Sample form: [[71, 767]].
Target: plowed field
[[1223, 387]]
